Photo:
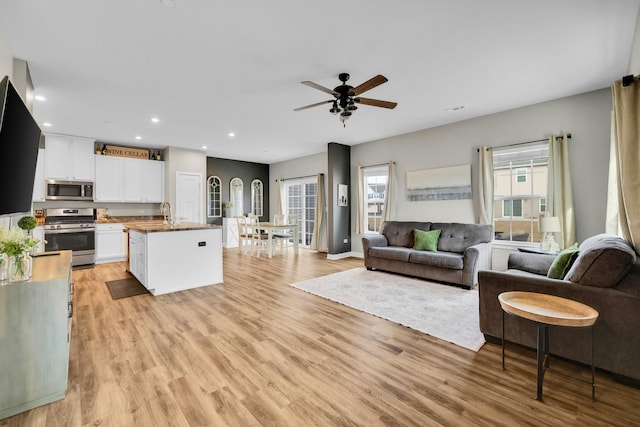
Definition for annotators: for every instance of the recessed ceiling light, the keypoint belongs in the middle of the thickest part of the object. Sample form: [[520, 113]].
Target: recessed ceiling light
[[138, 137], [231, 134], [40, 98], [155, 120], [47, 124], [204, 147]]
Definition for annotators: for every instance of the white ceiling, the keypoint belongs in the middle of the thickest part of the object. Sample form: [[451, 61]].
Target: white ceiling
[[206, 68]]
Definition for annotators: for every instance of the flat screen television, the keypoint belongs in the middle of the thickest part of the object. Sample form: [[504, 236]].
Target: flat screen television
[[19, 141]]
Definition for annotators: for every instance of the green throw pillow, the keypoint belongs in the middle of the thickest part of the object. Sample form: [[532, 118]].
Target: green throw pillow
[[426, 240], [563, 262]]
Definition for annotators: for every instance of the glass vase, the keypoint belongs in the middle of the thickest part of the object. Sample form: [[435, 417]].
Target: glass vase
[[4, 267], [20, 268]]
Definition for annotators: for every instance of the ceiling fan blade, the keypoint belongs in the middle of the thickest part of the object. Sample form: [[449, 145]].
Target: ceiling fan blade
[[376, 102], [322, 88], [368, 85], [312, 105]]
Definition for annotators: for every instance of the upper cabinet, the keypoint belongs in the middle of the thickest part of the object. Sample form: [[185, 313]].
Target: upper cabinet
[[120, 179], [69, 157]]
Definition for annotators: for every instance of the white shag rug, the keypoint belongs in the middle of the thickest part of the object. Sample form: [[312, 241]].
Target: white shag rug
[[443, 311]]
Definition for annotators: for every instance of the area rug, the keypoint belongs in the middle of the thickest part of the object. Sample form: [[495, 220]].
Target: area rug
[[125, 288], [442, 311]]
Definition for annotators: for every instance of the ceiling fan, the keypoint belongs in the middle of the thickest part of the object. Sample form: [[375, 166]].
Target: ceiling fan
[[346, 97]]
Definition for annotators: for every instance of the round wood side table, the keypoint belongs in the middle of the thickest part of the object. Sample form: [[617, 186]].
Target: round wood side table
[[549, 310]]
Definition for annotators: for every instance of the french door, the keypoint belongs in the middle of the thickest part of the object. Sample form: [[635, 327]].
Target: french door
[[300, 200]]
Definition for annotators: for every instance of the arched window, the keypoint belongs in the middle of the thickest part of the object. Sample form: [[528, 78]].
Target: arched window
[[236, 188], [214, 197], [256, 197]]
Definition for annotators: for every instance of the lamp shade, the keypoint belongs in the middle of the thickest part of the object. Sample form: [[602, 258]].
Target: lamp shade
[[550, 224]]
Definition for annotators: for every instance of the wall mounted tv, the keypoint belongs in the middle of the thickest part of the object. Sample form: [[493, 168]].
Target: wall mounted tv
[[19, 140]]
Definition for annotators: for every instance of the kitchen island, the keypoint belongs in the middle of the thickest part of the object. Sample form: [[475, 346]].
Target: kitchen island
[[168, 258]]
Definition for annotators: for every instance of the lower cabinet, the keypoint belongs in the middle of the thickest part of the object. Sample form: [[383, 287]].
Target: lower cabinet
[[110, 243], [138, 256], [35, 332]]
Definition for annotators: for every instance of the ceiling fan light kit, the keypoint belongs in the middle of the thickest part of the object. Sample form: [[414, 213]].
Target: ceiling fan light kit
[[346, 96]]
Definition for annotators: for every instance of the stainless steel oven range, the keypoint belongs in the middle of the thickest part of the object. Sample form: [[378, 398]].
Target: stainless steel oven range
[[71, 229]]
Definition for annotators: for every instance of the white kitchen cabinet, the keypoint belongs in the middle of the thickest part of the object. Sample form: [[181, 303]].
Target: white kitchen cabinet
[[109, 181], [229, 233], [153, 181], [137, 181], [110, 243], [69, 157], [138, 256], [38, 182]]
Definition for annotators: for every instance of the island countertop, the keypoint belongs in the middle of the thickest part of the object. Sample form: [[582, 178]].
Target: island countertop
[[153, 227]]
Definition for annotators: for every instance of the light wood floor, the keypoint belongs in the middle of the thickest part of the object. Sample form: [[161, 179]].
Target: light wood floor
[[254, 351]]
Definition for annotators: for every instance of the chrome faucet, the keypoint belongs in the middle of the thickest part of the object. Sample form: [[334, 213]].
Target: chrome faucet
[[163, 207]]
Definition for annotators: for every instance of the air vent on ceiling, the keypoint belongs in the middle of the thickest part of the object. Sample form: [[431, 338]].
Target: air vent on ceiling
[[456, 108]]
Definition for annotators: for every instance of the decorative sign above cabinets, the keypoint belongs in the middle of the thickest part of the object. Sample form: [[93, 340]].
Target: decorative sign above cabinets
[[131, 152]]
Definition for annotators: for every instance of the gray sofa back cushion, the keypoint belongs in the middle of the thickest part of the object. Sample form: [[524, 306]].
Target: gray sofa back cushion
[[603, 261], [456, 237], [400, 233]]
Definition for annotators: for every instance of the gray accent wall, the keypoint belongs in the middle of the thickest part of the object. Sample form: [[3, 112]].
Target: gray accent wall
[[338, 224], [227, 169]]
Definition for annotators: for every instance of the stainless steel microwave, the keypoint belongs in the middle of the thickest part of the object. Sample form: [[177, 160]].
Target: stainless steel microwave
[[58, 189]]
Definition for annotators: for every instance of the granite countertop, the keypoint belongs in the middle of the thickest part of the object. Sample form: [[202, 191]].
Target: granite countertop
[[126, 219], [153, 227]]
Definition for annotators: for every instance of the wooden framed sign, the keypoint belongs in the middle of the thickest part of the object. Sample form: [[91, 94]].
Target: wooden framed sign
[[119, 151]]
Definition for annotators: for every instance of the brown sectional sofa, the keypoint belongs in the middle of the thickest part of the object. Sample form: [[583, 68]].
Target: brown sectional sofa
[[605, 275], [463, 249]]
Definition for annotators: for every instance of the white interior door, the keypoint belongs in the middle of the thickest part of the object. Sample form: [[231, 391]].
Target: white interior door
[[189, 196]]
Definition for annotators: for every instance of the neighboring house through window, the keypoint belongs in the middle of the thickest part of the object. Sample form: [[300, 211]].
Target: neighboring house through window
[[375, 185], [520, 191]]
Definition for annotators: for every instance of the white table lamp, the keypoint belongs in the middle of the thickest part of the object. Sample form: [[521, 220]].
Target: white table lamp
[[548, 226]]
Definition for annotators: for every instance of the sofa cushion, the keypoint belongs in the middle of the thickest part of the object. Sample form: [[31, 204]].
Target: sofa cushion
[[454, 261], [425, 240], [563, 262], [390, 252], [457, 237], [400, 233], [604, 259]]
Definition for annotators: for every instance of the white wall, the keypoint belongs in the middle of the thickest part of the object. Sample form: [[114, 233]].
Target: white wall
[[183, 160], [304, 166], [6, 58], [634, 61]]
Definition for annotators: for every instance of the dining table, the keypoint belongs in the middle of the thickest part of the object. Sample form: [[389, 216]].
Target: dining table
[[270, 229]]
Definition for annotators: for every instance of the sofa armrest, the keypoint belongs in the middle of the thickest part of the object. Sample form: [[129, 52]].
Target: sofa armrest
[[531, 263], [476, 258], [371, 241]]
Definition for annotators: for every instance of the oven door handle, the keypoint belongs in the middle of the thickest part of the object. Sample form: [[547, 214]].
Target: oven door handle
[[68, 231]]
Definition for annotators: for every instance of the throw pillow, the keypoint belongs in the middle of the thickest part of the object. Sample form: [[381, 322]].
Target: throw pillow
[[563, 262], [426, 240]]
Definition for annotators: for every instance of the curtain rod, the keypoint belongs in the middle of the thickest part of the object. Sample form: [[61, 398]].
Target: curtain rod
[[527, 142], [381, 164], [300, 177]]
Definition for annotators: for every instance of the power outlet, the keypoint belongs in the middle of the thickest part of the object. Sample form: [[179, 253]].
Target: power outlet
[[345, 241]]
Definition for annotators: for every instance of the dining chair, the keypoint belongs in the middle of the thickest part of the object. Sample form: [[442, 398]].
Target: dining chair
[[244, 233], [258, 239], [280, 238]]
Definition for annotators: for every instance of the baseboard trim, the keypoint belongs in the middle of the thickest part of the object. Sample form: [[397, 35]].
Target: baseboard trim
[[343, 255]]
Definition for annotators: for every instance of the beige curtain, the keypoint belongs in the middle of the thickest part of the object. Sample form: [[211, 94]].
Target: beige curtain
[[360, 202], [484, 198], [612, 220], [626, 110], [279, 201], [390, 194], [318, 238], [559, 194]]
